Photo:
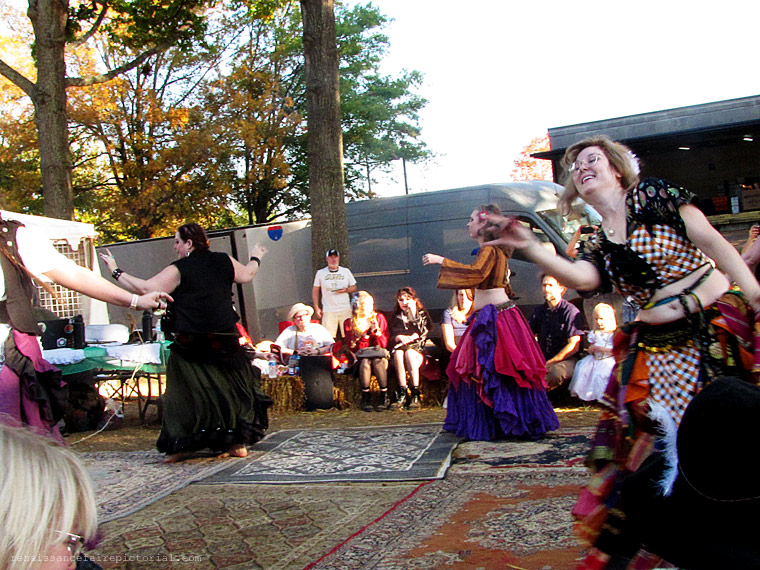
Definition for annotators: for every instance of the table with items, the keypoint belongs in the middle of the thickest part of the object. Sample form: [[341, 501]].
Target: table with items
[[125, 365]]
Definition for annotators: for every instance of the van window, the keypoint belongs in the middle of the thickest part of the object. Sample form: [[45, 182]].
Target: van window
[[539, 234], [565, 227]]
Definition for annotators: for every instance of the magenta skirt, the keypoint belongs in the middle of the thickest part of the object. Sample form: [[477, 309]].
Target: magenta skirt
[[497, 384], [31, 390]]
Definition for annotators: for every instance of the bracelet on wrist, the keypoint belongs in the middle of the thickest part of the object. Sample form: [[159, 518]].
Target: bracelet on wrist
[[256, 259], [116, 273], [134, 301]]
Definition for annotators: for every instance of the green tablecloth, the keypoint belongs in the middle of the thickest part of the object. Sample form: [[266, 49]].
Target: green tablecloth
[[96, 358]]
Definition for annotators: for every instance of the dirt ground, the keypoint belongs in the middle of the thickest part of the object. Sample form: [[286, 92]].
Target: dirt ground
[[135, 436]]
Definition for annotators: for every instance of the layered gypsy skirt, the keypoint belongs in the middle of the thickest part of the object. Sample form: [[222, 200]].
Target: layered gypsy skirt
[[213, 396], [497, 382], [32, 391], [658, 371]]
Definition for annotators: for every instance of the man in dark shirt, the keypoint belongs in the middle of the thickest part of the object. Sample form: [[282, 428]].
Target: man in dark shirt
[[558, 326]]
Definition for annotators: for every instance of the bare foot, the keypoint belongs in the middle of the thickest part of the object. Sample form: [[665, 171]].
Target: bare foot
[[177, 457], [238, 450]]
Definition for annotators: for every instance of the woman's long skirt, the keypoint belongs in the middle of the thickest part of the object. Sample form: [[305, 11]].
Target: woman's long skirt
[[497, 382], [32, 392], [213, 397]]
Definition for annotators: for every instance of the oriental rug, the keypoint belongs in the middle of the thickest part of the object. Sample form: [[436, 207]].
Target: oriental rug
[[510, 519], [379, 453], [128, 481], [244, 527], [566, 447]]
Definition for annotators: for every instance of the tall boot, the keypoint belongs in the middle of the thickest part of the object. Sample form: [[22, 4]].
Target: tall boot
[[385, 401], [414, 402], [366, 403], [400, 399]]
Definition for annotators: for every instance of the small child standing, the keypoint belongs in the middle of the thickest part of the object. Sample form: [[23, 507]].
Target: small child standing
[[593, 371]]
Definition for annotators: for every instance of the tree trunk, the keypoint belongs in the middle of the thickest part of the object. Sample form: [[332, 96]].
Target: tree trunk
[[49, 97], [325, 138]]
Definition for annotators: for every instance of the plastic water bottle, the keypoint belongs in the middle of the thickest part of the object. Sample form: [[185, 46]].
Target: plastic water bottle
[[159, 333], [293, 365], [272, 369]]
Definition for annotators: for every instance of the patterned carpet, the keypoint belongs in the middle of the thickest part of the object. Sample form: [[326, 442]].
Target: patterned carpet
[[501, 505], [272, 527], [381, 453], [126, 482], [474, 522]]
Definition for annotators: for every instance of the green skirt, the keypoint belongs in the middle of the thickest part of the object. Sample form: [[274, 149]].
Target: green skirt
[[213, 396]]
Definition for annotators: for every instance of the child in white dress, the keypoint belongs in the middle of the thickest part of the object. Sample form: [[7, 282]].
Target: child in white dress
[[593, 371]]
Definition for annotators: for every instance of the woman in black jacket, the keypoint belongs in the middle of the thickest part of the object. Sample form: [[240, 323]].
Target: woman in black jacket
[[408, 331], [213, 397]]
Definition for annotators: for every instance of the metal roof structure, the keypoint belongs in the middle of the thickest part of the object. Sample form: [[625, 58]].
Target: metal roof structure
[[712, 149]]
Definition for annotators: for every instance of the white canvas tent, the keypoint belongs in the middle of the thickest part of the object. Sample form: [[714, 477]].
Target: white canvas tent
[[76, 241]]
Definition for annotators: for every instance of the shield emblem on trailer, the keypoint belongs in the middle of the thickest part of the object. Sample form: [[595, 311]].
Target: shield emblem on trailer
[[274, 232]]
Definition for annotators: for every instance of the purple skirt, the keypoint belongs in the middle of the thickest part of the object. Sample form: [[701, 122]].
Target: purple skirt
[[497, 380]]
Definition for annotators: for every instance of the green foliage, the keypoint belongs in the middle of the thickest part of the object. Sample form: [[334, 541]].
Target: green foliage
[[214, 129], [19, 166], [380, 113]]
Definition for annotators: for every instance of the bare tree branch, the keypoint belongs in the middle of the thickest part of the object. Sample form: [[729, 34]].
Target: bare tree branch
[[93, 29], [104, 77], [17, 79]]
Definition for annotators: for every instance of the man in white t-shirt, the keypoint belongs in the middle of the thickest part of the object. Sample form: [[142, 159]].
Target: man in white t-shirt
[[303, 336], [336, 284]]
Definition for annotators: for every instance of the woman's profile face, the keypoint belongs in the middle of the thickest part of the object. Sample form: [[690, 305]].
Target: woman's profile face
[[476, 223], [182, 247]]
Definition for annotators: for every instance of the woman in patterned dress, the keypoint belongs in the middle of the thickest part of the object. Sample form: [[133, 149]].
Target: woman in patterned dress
[[656, 246]]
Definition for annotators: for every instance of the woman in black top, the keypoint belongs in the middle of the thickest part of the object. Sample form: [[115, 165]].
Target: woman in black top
[[407, 332], [213, 397]]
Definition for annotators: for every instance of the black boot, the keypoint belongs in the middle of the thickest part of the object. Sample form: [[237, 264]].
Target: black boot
[[366, 404], [385, 401], [400, 399], [414, 402]]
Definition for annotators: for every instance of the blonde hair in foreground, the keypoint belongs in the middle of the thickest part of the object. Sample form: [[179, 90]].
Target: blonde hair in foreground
[[43, 489]]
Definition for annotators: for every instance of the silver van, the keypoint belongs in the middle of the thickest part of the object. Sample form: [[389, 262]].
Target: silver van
[[389, 236], [387, 239]]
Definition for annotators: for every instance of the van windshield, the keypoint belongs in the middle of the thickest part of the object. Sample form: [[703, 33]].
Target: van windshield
[[566, 228]]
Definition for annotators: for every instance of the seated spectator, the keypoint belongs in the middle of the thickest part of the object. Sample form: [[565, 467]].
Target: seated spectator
[[592, 372], [303, 337], [454, 320], [47, 505], [364, 331], [408, 331], [558, 326]]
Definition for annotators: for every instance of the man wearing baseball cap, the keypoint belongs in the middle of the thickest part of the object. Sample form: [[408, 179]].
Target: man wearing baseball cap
[[336, 284]]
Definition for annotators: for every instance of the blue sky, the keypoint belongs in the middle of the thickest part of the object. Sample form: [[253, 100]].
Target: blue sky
[[500, 72]]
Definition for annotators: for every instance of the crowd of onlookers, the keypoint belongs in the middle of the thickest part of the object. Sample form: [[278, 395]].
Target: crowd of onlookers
[[366, 342]]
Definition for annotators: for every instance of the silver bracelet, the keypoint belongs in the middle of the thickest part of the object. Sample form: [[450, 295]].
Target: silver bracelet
[[133, 303]]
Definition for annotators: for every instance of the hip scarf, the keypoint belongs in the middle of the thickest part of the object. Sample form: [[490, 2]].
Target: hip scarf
[[659, 370]]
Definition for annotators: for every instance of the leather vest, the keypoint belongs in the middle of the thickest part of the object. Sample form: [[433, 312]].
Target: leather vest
[[20, 292]]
